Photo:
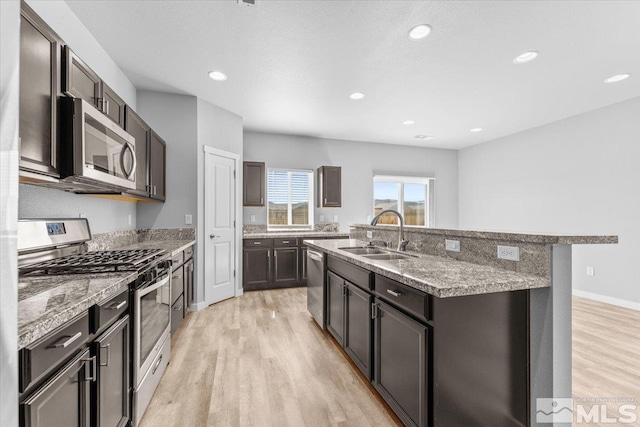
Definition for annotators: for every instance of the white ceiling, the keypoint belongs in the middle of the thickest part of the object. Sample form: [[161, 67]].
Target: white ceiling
[[292, 64]]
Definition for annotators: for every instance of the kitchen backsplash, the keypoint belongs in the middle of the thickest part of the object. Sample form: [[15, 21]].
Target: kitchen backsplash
[[115, 239], [328, 227]]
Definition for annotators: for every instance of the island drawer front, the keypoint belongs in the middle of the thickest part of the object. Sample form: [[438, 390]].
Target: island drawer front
[[177, 260], [283, 243], [104, 313], [188, 253], [257, 243], [41, 357], [402, 296], [354, 274]]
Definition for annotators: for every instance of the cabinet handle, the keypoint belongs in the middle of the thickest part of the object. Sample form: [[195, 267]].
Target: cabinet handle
[[269, 253], [68, 340], [325, 200], [106, 106], [92, 361], [285, 241], [155, 190], [116, 305], [155, 368], [394, 293], [257, 243], [108, 347], [374, 310], [262, 200]]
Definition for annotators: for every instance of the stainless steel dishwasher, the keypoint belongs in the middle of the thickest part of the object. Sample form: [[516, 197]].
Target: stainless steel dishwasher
[[315, 286]]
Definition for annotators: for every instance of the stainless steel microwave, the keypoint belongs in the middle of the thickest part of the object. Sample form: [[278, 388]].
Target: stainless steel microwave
[[94, 149]]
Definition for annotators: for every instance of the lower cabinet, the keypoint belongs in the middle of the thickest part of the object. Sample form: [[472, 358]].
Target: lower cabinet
[[285, 266], [335, 306], [256, 272], [111, 388], [65, 399], [357, 336], [401, 373]]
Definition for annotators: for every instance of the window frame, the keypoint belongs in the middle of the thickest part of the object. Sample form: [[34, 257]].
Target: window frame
[[428, 182], [289, 225]]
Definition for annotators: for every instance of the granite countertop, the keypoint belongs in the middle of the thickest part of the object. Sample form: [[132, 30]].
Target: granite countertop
[[293, 234], [438, 276], [46, 302]]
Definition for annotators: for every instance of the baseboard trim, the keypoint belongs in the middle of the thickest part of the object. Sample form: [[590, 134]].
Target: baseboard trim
[[198, 306], [609, 300]]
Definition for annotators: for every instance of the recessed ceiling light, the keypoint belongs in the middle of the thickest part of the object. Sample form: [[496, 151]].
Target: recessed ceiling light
[[525, 57], [475, 130], [356, 95], [425, 137], [217, 76], [420, 31], [408, 122], [618, 78]]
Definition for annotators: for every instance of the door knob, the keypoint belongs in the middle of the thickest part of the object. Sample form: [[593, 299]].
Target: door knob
[[212, 236]]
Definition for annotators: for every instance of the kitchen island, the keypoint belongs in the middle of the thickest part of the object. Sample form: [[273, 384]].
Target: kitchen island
[[455, 337]]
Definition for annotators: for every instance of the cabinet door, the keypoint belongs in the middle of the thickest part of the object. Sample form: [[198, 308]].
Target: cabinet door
[[141, 132], [256, 273], [330, 187], [113, 105], [285, 266], [188, 284], [64, 400], [40, 50], [253, 183], [111, 390], [357, 338], [303, 265], [157, 159], [335, 306], [401, 355], [80, 81]]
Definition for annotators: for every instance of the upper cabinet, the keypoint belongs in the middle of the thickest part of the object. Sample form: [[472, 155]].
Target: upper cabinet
[[137, 128], [40, 50], [80, 81], [157, 159], [253, 183], [329, 187]]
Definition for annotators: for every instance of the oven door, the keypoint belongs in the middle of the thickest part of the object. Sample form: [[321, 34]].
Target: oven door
[[152, 323], [103, 151]]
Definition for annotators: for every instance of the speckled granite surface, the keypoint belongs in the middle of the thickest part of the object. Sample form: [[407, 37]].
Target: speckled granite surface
[[120, 239], [293, 234], [326, 227], [46, 302], [438, 276]]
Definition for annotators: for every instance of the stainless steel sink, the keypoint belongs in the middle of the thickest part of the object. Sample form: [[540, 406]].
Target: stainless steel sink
[[387, 256], [364, 251]]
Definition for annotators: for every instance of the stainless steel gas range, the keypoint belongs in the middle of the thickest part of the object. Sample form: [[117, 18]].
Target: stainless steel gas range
[[59, 246]]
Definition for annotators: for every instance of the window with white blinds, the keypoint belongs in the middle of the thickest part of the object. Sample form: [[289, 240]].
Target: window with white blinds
[[290, 198]]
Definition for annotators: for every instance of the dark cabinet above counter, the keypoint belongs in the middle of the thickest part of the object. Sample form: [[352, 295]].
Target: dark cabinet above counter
[[253, 184], [329, 183]]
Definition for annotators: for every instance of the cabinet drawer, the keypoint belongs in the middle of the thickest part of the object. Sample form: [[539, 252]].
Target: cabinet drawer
[[282, 243], [106, 312], [248, 243], [44, 355], [354, 274], [177, 284], [188, 253], [402, 296], [177, 260]]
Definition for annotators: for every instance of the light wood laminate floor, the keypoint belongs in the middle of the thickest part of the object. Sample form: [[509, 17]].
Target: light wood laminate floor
[[260, 360]]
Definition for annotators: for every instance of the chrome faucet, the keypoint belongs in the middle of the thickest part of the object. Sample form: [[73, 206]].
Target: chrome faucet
[[402, 244]]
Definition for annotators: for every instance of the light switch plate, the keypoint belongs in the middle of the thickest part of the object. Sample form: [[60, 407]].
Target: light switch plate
[[369, 234], [321, 218], [510, 253], [591, 271], [335, 218], [252, 218], [188, 219], [129, 219], [452, 245]]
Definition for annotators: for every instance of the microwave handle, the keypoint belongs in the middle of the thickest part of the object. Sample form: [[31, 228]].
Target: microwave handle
[[133, 154]]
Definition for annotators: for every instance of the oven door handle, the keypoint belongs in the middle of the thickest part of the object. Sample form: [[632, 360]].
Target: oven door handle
[[143, 291]]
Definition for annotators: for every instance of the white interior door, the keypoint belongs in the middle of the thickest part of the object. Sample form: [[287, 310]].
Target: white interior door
[[219, 228]]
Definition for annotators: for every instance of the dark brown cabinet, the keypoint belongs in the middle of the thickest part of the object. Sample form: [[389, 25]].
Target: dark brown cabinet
[[111, 388], [65, 399], [80, 81], [303, 264], [40, 91], [157, 159], [253, 183], [336, 289], [256, 272], [357, 336], [114, 106], [137, 128], [285, 266], [401, 354], [329, 187]]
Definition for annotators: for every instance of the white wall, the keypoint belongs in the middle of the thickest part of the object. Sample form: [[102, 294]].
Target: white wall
[[174, 118], [9, 90], [359, 162], [580, 175], [37, 202]]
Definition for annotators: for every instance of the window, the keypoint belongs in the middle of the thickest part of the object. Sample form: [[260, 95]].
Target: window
[[411, 196], [289, 199]]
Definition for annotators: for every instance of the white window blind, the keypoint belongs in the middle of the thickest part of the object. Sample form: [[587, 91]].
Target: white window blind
[[290, 197]]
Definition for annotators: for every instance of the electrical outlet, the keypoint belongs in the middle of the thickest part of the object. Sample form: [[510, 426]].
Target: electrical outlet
[[511, 253], [321, 218], [369, 234], [252, 218], [129, 219], [452, 245], [590, 271], [335, 218], [188, 219], [368, 219], [82, 215]]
